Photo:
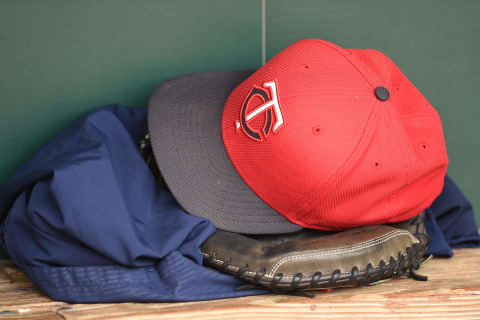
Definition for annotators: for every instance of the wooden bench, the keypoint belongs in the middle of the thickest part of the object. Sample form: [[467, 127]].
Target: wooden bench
[[453, 291]]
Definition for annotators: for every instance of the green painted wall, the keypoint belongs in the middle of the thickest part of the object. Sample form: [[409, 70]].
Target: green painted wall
[[59, 59]]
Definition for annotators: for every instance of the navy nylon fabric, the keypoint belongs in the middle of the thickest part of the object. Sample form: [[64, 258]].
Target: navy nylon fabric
[[86, 221], [451, 222]]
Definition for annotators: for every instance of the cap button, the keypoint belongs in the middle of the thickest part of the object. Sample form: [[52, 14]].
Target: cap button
[[382, 93]]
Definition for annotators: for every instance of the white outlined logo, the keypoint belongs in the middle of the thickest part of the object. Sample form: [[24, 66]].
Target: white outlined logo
[[270, 102]]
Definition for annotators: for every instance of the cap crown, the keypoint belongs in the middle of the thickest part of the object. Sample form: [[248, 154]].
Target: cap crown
[[312, 137]]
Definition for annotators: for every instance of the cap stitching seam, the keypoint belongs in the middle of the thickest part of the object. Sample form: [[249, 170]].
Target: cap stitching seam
[[317, 189], [348, 59]]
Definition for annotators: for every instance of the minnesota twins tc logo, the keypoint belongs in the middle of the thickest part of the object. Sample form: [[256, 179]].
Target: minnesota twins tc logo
[[269, 102]]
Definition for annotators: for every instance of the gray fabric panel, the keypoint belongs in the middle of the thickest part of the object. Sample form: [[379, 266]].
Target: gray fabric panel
[[184, 121]]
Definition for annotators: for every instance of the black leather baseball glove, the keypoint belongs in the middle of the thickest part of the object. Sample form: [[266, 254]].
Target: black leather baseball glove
[[311, 259]]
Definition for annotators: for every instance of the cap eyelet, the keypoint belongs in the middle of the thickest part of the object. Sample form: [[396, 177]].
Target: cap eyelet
[[423, 145], [317, 130], [376, 165], [305, 66]]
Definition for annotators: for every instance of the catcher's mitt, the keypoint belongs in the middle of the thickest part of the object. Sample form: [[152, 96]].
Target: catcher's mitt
[[311, 259]]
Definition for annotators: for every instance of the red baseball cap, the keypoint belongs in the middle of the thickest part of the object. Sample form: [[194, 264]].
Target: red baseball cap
[[319, 137]]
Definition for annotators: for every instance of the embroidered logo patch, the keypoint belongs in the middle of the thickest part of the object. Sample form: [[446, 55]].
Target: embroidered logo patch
[[270, 102]]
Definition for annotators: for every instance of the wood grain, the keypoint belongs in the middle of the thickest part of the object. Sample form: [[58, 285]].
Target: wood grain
[[452, 292]]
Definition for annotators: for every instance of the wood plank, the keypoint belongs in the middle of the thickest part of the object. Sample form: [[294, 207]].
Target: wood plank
[[12, 272], [452, 292]]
